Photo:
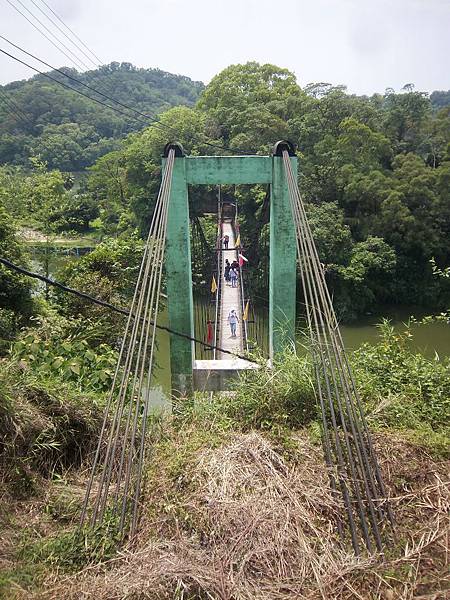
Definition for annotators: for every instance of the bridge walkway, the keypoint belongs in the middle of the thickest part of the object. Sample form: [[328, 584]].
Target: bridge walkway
[[230, 298]]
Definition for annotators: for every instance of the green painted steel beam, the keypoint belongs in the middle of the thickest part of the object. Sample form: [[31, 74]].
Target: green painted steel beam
[[282, 261], [224, 170], [282, 279], [179, 281]]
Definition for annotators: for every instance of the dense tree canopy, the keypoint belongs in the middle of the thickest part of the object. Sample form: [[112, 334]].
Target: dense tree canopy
[[70, 131], [374, 171]]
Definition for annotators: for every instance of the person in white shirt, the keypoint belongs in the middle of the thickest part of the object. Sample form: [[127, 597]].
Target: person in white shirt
[[233, 320]]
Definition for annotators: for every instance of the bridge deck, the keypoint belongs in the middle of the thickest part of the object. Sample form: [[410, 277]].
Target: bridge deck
[[230, 299]]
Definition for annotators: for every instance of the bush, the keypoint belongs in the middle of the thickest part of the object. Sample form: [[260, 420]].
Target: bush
[[43, 428], [403, 389], [15, 289], [265, 398], [68, 360]]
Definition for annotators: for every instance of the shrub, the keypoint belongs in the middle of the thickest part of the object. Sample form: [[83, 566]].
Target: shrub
[[265, 398], [403, 389], [43, 428]]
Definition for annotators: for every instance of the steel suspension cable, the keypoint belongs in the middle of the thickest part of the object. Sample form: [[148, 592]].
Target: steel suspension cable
[[151, 307], [355, 453], [124, 389], [55, 24], [316, 346], [354, 467], [115, 429], [368, 484], [343, 355], [137, 354]]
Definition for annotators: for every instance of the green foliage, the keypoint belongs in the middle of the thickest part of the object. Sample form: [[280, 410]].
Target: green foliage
[[281, 396], [74, 213], [108, 273], [68, 360], [372, 168], [251, 103], [440, 99], [365, 279], [331, 234], [70, 132], [403, 389], [76, 548], [271, 399], [16, 304], [46, 426], [70, 146]]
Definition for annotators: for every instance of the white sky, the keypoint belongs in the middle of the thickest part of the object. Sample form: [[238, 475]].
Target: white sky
[[366, 44]]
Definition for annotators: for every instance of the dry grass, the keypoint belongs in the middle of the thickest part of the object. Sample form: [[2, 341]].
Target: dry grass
[[243, 523]]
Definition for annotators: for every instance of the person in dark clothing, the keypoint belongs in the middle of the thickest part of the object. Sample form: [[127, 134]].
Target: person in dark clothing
[[225, 241], [227, 270]]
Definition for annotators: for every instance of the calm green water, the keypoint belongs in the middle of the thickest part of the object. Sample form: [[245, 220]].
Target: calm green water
[[428, 339]]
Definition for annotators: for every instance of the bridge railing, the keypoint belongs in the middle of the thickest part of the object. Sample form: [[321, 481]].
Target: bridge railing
[[219, 261], [244, 328]]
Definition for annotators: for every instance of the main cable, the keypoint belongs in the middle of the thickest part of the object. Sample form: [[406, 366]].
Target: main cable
[[139, 353], [355, 453]]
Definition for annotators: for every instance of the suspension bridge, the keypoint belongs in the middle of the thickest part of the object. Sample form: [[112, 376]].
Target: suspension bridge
[[115, 484]]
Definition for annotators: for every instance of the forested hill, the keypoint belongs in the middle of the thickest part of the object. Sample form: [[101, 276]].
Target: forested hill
[[69, 131]]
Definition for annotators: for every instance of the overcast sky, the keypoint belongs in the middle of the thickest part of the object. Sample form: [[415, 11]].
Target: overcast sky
[[368, 45]]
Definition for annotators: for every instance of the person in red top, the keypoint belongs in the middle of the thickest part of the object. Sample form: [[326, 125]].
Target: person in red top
[[209, 333]]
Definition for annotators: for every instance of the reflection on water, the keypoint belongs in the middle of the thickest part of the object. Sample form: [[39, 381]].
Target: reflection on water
[[49, 260]]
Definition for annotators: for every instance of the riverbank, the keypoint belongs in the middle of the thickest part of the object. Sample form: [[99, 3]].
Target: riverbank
[[34, 237]]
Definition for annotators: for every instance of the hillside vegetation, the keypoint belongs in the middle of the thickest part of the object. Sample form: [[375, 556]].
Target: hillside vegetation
[[70, 131], [374, 171]]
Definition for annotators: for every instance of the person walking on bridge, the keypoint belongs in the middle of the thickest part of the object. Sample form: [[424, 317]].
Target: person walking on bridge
[[227, 270], [233, 319], [233, 277], [225, 240]]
